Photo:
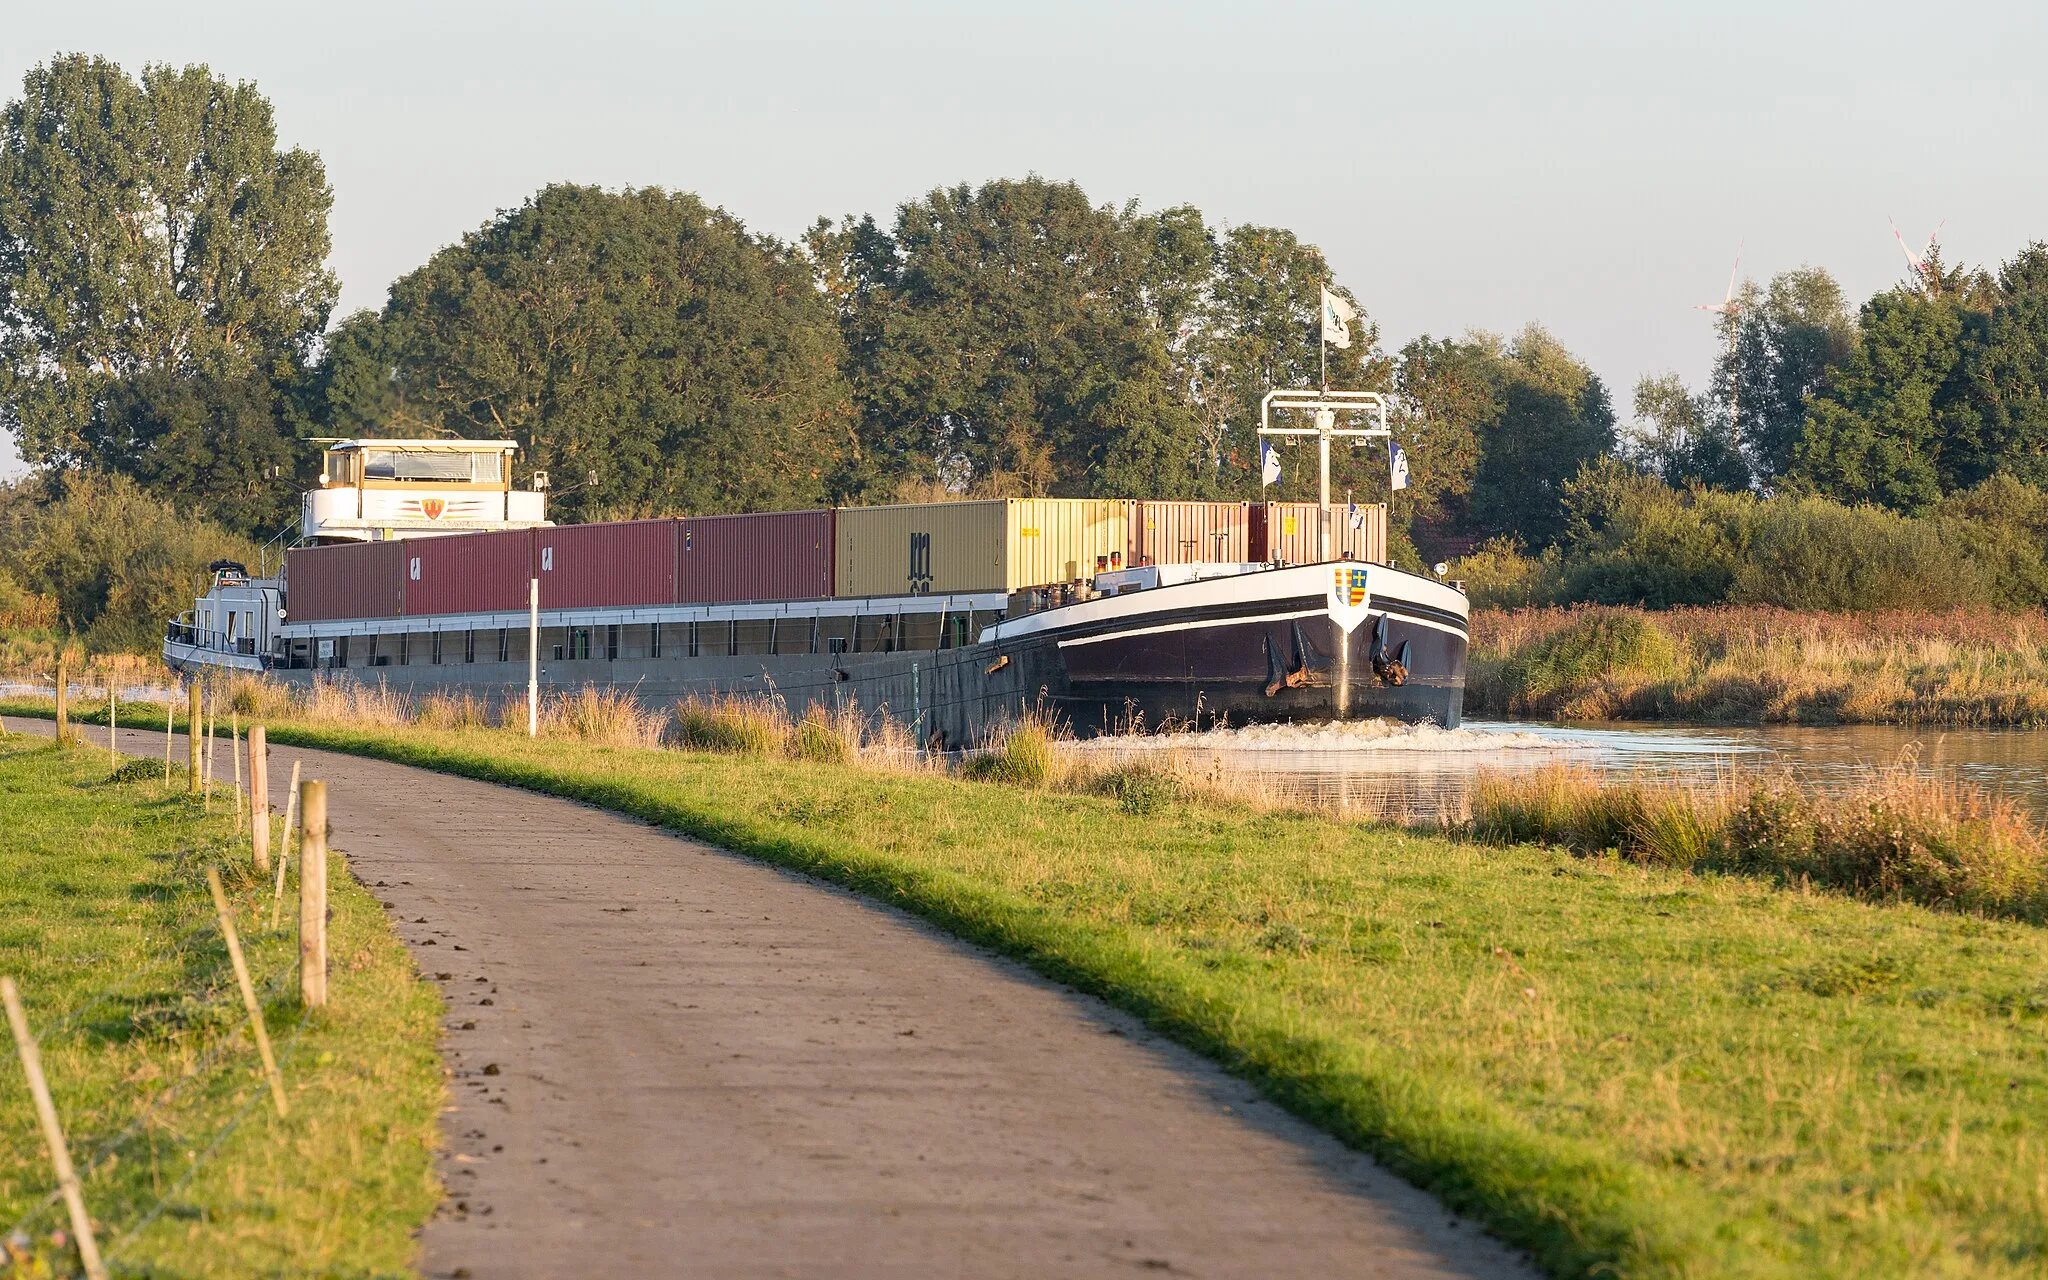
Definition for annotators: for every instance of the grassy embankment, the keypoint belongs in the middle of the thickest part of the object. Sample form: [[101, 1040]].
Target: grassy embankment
[[1751, 665], [1628, 1069], [110, 931]]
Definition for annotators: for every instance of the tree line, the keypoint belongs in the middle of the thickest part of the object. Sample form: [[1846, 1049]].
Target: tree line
[[166, 320]]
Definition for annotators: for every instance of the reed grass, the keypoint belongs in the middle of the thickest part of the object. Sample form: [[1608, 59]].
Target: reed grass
[[1895, 837], [1749, 665]]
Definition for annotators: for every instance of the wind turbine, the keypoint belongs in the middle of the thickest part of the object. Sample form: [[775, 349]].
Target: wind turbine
[[1729, 308], [1922, 263]]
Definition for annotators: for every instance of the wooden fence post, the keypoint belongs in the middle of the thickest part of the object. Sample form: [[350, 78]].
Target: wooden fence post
[[259, 799], [113, 728], [63, 700], [227, 930], [53, 1133], [284, 849], [195, 721], [313, 894], [170, 728]]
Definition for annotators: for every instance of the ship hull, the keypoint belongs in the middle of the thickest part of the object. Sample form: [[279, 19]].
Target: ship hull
[[1257, 648]]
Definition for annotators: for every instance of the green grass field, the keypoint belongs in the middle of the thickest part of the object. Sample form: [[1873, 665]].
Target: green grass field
[[107, 926], [1630, 1071]]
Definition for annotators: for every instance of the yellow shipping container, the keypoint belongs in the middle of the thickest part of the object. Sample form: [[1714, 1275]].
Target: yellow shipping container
[[1002, 544]]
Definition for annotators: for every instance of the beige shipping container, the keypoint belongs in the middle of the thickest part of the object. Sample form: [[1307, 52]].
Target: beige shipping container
[[1185, 532], [1002, 544], [1287, 531]]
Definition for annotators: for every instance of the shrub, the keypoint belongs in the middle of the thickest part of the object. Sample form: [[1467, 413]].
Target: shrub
[[1139, 787], [1594, 646]]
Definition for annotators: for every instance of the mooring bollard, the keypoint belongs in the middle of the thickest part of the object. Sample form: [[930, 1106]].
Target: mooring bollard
[[195, 720], [53, 1133], [313, 894], [259, 799]]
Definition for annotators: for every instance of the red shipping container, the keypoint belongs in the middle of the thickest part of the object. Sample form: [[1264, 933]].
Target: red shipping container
[[352, 580], [586, 566], [468, 573], [772, 555], [1183, 532]]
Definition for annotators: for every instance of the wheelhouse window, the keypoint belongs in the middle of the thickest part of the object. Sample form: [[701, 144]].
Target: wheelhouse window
[[434, 466]]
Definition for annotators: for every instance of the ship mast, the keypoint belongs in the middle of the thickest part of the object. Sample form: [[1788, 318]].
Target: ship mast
[[1326, 405]]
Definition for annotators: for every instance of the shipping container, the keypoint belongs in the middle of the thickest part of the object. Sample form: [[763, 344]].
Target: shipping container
[[470, 573], [1185, 532], [777, 555], [630, 562], [1286, 531], [1003, 544], [354, 580]]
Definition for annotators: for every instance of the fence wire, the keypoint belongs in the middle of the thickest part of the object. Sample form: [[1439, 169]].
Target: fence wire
[[199, 1071]]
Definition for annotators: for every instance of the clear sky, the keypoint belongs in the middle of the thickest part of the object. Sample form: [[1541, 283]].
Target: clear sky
[[1591, 166]]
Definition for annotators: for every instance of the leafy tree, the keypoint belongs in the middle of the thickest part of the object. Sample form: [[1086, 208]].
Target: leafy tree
[[1262, 330], [116, 560], [1997, 418], [645, 349], [1447, 391], [1014, 338], [1681, 438], [1001, 337], [1554, 418], [1873, 432], [1789, 335], [152, 232]]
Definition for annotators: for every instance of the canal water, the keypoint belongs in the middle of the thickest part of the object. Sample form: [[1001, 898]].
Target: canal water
[[1421, 773]]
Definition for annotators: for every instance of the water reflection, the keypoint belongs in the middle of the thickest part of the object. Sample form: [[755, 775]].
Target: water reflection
[[1422, 773]]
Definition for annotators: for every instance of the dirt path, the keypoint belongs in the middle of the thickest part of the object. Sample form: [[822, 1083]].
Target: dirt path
[[666, 1060]]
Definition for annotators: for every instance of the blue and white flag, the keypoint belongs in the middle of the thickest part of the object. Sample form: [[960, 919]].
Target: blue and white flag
[[1269, 463], [1397, 465], [1355, 517]]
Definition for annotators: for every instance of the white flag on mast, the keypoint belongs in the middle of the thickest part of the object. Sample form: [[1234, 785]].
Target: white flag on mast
[[1337, 317]]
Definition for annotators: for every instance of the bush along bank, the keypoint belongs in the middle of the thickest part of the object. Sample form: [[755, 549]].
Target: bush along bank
[[1625, 1067], [1759, 664]]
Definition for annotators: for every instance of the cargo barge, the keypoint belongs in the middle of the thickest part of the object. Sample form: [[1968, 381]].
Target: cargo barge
[[1114, 615]]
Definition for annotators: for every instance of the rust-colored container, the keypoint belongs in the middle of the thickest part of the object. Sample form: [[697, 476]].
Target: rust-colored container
[[775, 555], [355, 580], [594, 565], [1286, 531], [1185, 532], [468, 573]]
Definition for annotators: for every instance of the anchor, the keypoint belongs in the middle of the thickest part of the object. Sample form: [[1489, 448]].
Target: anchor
[[1309, 662], [1392, 669]]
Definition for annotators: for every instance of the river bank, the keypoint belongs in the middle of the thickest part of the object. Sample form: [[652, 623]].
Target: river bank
[[1760, 665], [1625, 1068]]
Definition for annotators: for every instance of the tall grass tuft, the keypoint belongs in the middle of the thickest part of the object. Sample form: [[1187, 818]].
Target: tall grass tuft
[[1023, 752], [445, 709], [738, 725], [608, 716], [1896, 837], [828, 737]]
